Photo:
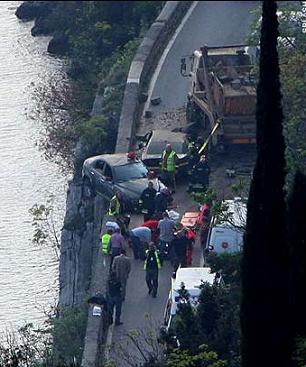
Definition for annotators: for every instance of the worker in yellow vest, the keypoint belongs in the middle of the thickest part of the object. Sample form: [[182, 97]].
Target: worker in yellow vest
[[169, 159], [105, 238], [116, 205], [151, 266]]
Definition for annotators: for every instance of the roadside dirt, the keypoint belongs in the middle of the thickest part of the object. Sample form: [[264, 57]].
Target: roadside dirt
[[163, 120]]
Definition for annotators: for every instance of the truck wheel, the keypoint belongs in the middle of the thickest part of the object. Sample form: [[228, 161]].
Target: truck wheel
[[88, 190]]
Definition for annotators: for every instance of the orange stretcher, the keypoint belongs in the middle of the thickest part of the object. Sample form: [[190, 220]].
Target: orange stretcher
[[190, 219]]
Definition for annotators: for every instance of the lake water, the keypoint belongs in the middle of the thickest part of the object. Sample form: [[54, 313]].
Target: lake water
[[28, 273]]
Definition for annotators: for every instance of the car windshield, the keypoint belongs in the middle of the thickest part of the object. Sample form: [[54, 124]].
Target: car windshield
[[157, 147], [131, 171]]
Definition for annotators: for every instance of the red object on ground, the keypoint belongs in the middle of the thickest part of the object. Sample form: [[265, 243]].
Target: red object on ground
[[152, 224]]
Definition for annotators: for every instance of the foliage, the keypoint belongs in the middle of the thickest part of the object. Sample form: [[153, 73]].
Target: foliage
[[291, 47], [226, 264], [45, 231], [265, 256], [102, 39], [146, 343], [57, 344], [300, 352], [203, 358], [68, 333], [296, 211]]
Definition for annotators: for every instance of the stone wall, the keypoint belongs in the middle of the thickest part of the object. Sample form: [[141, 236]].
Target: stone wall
[[142, 67], [82, 269]]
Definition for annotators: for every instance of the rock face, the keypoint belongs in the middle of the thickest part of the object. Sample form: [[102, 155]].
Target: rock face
[[79, 242], [30, 10], [58, 45]]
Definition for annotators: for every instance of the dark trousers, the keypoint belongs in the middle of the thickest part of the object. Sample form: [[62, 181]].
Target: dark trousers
[[152, 280], [115, 301]]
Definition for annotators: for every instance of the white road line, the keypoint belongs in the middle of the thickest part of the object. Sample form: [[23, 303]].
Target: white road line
[[165, 53]]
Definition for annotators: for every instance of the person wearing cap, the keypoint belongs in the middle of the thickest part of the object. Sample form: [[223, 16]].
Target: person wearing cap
[[105, 239], [116, 244], [168, 162], [151, 266]]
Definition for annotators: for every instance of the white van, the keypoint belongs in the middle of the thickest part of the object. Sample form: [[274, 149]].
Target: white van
[[192, 278], [227, 236]]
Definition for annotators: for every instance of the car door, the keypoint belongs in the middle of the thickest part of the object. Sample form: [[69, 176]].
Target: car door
[[108, 178], [97, 176]]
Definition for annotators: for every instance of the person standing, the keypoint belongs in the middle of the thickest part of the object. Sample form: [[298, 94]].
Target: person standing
[[169, 159], [180, 244], [147, 201], [151, 266], [163, 200], [166, 228], [116, 205], [140, 238], [114, 297], [122, 268], [202, 172], [105, 239], [116, 244]]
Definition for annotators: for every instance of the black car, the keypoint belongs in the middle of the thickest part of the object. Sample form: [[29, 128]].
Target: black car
[[108, 173], [154, 145]]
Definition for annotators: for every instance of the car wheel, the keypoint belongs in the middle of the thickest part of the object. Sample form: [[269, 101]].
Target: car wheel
[[88, 190]]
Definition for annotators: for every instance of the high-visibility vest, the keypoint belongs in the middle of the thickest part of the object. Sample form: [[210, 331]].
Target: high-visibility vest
[[170, 165], [105, 239], [157, 260], [114, 206]]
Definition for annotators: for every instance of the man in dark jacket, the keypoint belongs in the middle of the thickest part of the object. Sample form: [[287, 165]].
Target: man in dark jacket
[[114, 297], [180, 244], [147, 201], [163, 200], [202, 171]]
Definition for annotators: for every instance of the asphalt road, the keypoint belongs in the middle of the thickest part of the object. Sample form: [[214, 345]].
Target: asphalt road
[[213, 23]]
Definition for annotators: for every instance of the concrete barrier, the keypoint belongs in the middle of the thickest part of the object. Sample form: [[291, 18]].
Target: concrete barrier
[[141, 69]]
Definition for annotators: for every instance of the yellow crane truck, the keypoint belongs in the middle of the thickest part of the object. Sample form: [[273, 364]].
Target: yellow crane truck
[[223, 93]]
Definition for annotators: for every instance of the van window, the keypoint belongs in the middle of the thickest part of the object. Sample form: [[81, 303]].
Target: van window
[[225, 240]]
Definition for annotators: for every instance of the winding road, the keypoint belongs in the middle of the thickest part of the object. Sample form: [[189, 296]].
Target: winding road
[[208, 22]]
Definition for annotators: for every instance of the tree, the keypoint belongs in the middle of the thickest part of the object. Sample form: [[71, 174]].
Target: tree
[[186, 328], [202, 358], [264, 307], [297, 241]]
